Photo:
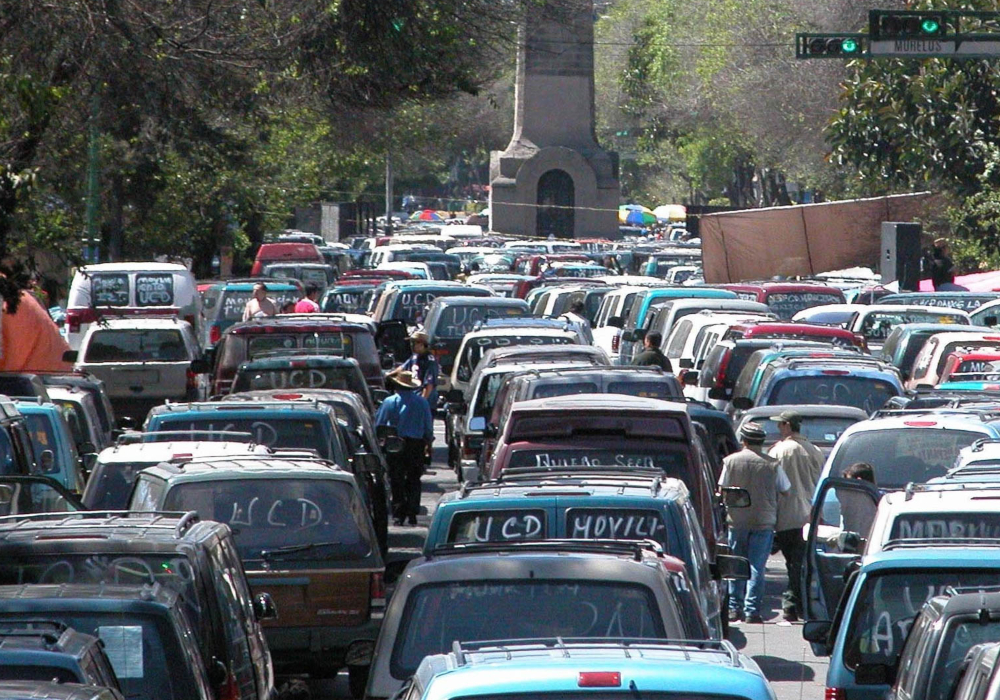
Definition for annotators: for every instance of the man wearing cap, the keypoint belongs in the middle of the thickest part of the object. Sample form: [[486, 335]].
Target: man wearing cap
[[424, 366], [802, 463], [409, 413], [751, 529]]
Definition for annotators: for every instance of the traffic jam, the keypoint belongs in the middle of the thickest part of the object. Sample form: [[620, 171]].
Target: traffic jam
[[225, 492]]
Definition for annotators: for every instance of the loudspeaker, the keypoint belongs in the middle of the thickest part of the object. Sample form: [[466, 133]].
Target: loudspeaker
[[900, 254]]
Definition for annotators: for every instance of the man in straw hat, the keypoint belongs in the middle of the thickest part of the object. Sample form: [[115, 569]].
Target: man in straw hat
[[409, 413], [751, 529], [424, 365]]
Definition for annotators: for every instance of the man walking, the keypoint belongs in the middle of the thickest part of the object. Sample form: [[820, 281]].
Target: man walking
[[424, 366], [802, 463], [309, 304], [408, 412], [651, 355], [751, 529]]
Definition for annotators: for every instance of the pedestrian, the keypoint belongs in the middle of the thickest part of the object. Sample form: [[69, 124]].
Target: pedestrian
[[579, 322], [309, 304], [802, 463], [651, 355], [943, 268], [424, 365], [751, 529], [857, 510], [409, 413], [259, 304]]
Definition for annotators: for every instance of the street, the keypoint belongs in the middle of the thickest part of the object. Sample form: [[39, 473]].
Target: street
[[776, 646]]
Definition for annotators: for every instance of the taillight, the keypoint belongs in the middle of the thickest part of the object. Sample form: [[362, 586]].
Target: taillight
[[377, 590], [74, 317], [834, 694], [192, 380], [616, 341], [599, 679], [720, 373], [230, 690], [214, 334]]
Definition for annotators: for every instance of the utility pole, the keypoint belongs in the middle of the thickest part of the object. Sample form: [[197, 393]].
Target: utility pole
[[91, 250], [388, 192]]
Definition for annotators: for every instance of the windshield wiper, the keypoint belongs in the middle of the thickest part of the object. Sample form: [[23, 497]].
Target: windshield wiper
[[295, 548]]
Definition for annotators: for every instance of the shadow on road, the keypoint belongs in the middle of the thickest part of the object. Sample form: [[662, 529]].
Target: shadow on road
[[737, 637], [777, 669]]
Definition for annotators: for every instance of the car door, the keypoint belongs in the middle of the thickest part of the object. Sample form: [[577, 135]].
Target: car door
[[842, 514]]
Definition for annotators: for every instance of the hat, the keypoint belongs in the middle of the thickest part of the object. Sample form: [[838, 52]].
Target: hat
[[406, 379], [419, 337], [752, 432], [791, 417]]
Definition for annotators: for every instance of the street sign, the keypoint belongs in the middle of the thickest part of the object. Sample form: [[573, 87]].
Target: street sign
[[934, 48]]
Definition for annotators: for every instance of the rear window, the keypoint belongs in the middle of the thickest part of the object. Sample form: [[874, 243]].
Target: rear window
[[617, 524], [787, 304], [563, 388], [672, 462], [437, 615], [298, 430], [902, 455], [507, 525], [343, 300], [345, 378], [109, 289], [42, 433], [919, 526], [478, 347], [330, 342], [282, 520], [456, 320], [816, 429], [868, 394], [879, 324], [166, 345]]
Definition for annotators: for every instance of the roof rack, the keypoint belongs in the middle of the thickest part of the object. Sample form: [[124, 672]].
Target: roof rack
[[633, 548], [912, 488], [973, 469], [652, 482], [272, 454], [295, 352], [940, 542], [106, 518], [133, 437], [959, 590], [568, 644]]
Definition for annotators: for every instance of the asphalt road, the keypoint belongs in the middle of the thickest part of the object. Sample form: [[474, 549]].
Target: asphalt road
[[777, 646]]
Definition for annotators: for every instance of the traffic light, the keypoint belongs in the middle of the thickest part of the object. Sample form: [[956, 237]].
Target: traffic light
[[828, 45], [907, 24]]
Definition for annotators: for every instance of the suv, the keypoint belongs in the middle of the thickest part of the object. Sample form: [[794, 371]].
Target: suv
[[787, 298], [41, 649], [195, 559], [556, 588], [17, 452], [146, 633], [601, 507], [305, 539], [144, 362], [635, 324], [904, 342], [304, 372], [556, 669], [349, 335], [930, 361]]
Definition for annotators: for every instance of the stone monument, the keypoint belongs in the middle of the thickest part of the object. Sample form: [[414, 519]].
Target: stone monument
[[554, 178]]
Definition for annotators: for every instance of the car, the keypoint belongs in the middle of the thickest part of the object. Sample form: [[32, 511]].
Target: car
[[787, 298], [53, 443], [145, 632], [347, 335], [557, 668], [95, 387], [880, 601], [83, 417], [23, 495], [905, 341], [406, 301], [144, 362], [305, 539], [516, 354], [319, 274], [561, 299], [195, 559], [641, 308], [822, 424], [23, 385], [48, 690], [800, 331], [965, 301], [129, 289], [50, 650], [876, 321], [986, 314], [930, 361], [449, 319], [602, 507], [223, 303], [17, 450], [579, 589], [345, 297], [610, 318], [301, 372], [664, 316], [274, 253], [502, 284], [979, 677], [685, 345], [971, 366]]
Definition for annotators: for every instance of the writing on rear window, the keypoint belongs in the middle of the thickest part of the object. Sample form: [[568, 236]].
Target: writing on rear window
[[614, 524], [497, 526], [918, 526]]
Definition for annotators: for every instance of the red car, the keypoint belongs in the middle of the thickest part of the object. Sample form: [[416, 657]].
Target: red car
[[787, 298], [975, 366], [285, 252], [801, 331]]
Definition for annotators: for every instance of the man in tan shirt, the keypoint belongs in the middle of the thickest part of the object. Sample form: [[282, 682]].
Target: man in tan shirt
[[802, 462]]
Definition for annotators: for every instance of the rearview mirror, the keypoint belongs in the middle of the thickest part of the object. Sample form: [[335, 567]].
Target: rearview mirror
[[729, 566], [477, 424], [615, 322], [817, 631], [735, 497], [742, 403], [70, 356]]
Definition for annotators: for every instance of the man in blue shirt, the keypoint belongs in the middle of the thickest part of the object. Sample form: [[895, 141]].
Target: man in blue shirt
[[424, 365], [409, 413]]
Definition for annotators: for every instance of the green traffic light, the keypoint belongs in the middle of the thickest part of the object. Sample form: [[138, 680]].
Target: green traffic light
[[930, 26], [849, 46]]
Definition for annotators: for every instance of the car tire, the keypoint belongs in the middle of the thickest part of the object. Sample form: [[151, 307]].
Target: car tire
[[357, 680]]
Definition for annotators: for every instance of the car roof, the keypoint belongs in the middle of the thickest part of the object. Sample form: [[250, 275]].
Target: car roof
[[163, 451], [478, 301], [101, 532], [202, 408], [94, 596], [940, 421], [541, 486], [234, 468], [133, 267], [298, 361], [913, 554], [139, 322], [302, 323], [806, 411], [599, 402]]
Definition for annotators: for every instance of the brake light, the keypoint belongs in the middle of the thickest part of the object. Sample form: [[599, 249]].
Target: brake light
[[835, 372], [214, 334], [720, 373], [377, 590], [834, 694], [230, 690], [599, 679], [616, 341], [295, 364], [920, 423], [192, 380], [287, 397], [74, 317]]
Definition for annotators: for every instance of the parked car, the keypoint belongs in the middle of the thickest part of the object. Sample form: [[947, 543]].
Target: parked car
[[144, 362], [965, 301], [274, 253], [787, 298], [25, 495], [53, 445], [95, 387], [641, 308], [345, 297], [876, 321], [48, 650], [319, 274], [301, 372], [980, 674], [83, 417], [17, 451], [797, 331], [550, 589], [224, 302], [930, 361], [299, 516], [822, 424], [195, 559], [905, 341]]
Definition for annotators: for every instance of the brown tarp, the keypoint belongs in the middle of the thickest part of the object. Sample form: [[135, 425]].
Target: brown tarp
[[804, 240]]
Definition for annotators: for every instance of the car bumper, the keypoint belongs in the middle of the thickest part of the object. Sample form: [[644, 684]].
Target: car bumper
[[298, 648]]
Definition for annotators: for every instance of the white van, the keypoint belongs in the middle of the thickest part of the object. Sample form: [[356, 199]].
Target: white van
[[130, 289]]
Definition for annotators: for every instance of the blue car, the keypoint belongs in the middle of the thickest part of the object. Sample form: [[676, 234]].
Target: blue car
[[566, 669], [880, 601], [53, 444], [636, 323]]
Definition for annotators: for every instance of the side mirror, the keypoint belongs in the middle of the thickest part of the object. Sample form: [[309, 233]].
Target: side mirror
[[874, 674], [735, 497], [71, 356], [87, 461], [454, 396], [478, 424], [379, 395], [615, 322], [742, 403], [685, 363], [394, 444], [717, 393], [384, 431], [201, 366], [729, 566], [690, 378], [387, 360], [264, 607], [817, 631], [491, 431], [86, 448], [46, 461], [849, 542]]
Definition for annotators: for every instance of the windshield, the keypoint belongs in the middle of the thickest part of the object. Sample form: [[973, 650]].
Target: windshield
[[902, 455], [477, 347], [887, 605], [234, 301], [346, 378], [787, 304], [300, 431], [878, 324], [437, 615], [868, 394], [456, 320], [329, 342], [312, 518], [165, 345]]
